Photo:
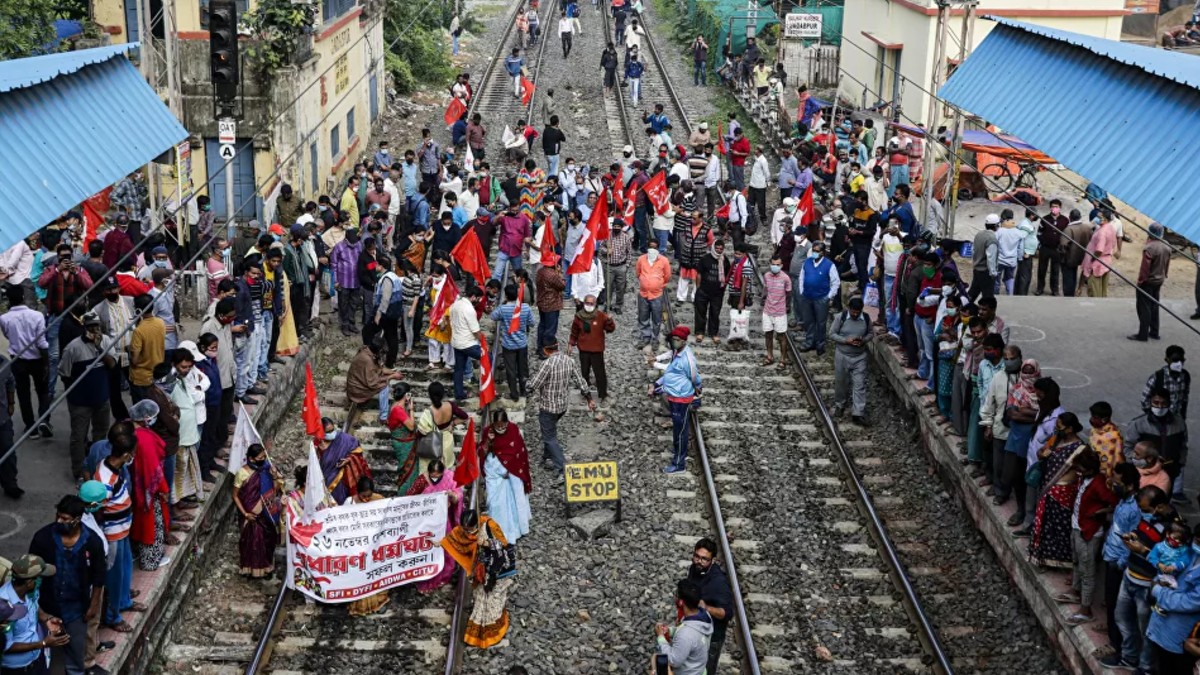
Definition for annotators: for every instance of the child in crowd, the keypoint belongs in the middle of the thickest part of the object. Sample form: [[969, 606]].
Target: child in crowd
[[1170, 556]]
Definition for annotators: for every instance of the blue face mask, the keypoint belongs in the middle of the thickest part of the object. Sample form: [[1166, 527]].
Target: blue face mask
[[1147, 516]]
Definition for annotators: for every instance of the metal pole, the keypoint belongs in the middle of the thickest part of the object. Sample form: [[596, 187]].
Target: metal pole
[[939, 62], [229, 201], [967, 35]]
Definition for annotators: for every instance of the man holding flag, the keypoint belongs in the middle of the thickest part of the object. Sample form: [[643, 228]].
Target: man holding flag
[[515, 318], [465, 337]]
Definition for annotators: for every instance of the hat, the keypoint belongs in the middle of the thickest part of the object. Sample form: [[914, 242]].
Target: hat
[[93, 492], [681, 332], [627, 148], [992, 219], [297, 228], [143, 410], [110, 282], [10, 612], [483, 213], [704, 126], [30, 566], [276, 228], [197, 355], [788, 201], [158, 250], [91, 319], [254, 225]]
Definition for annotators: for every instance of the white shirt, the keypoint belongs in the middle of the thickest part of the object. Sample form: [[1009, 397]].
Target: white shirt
[[588, 283], [679, 169], [876, 194], [633, 38], [737, 208], [464, 324], [783, 222], [712, 173], [197, 383], [564, 26], [835, 282], [469, 201], [16, 262], [760, 173], [396, 200]]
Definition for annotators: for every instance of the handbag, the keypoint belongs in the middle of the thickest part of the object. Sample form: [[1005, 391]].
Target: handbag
[[429, 446], [1033, 475], [739, 324]]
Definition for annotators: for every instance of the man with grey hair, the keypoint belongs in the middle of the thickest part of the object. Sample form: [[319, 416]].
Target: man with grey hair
[[1156, 258]]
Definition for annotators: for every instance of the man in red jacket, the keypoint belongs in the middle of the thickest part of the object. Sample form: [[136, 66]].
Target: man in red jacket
[[587, 333]]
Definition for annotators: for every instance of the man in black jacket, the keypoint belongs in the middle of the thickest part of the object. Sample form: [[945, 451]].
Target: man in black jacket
[[552, 140], [710, 290], [73, 572], [1168, 431], [715, 595]]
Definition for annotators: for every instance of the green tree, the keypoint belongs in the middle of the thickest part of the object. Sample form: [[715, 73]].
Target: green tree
[[420, 54], [26, 27]]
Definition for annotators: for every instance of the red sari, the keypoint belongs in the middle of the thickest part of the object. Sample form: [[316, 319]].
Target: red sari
[[149, 485], [509, 448]]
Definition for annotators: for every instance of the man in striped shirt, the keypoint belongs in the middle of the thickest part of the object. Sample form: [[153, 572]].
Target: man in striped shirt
[[113, 472], [550, 384]]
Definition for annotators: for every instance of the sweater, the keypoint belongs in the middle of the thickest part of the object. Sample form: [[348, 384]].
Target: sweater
[[591, 340]]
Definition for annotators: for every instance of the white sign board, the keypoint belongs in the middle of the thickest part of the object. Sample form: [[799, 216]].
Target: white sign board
[[226, 130], [227, 151], [803, 26]]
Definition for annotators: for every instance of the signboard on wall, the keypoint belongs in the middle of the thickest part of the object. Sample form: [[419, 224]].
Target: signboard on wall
[[341, 74], [802, 26], [1142, 6]]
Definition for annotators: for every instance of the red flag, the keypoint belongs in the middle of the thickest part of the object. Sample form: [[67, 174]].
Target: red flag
[[441, 304], [311, 412], [487, 382], [603, 231], [585, 253], [630, 204], [657, 192], [467, 469], [93, 214], [454, 111], [549, 257], [806, 206], [514, 324], [720, 140], [526, 91], [723, 212], [618, 195], [468, 252]]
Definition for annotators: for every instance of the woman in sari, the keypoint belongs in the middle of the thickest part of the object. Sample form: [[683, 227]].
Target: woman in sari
[[288, 342], [342, 462], [1051, 542], [950, 332], [531, 180], [257, 499], [365, 494], [489, 620], [437, 479], [439, 418], [506, 472], [403, 427], [151, 514]]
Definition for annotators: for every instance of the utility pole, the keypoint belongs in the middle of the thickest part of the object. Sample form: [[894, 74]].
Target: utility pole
[[967, 37], [174, 104], [939, 64]]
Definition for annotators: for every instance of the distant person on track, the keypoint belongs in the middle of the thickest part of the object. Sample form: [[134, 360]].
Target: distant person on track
[[505, 463], [653, 272], [699, 62], [565, 30], [686, 644], [257, 488], [739, 150], [608, 63], [489, 619], [819, 283], [633, 75], [851, 332], [514, 65], [777, 286], [681, 385], [1156, 260], [551, 384], [531, 15]]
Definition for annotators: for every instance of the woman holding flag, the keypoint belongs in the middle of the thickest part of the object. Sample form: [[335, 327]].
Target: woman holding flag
[[256, 496]]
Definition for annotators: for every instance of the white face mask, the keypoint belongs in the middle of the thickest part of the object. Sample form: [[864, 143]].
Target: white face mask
[[1176, 366], [947, 289], [652, 254], [1159, 412], [589, 308]]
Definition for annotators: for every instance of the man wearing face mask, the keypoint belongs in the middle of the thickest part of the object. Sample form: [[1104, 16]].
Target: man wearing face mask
[[1168, 430], [653, 272], [851, 331], [116, 313], [88, 401], [73, 585], [818, 283], [1174, 378], [619, 247], [1132, 612], [681, 385], [715, 594], [784, 220], [36, 630], [220, 325], [992, 421]]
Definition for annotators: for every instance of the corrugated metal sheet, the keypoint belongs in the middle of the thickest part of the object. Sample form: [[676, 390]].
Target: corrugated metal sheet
[[26, 72], [74, 134], [1130, 131]]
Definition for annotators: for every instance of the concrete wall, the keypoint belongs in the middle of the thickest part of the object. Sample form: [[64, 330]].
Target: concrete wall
[[914, 24]]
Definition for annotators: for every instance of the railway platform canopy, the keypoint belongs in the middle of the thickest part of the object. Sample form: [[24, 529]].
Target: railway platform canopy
[[1107, 95], [71, 124]]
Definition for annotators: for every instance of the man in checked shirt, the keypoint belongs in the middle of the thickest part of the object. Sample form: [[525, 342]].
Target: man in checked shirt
[[550, 385], [619, 246]]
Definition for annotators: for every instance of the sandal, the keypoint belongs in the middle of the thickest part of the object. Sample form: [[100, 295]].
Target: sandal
[[406, 354], [433, 366], [171, 540], [1067, 598], [121, 627], [1078, 619], [767, 361], [136, 607]]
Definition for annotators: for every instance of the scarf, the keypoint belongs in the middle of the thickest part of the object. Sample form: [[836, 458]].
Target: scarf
[[149, 480], [509, 448], [586, 319], [1022, 394]]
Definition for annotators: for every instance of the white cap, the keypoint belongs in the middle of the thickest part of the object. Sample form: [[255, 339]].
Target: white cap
[[992, 219], [703, 126], [197, 355], [627, 148], [788, 201]]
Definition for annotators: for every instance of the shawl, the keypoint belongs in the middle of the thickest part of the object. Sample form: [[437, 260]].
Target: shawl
[[424, 486], [342, 447], [1022, 394], [509, 448], [365, 378], [148, 477]]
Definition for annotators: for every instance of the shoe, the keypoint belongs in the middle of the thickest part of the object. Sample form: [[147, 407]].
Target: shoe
[[671, 469], [1195, 316], [256, 391], [1023, 533], [560, 479], [1155, 337], [1137, 338], [13, 492], [1116, 661], [166, 560], [35, 434], [46, 430], [1015, 519], [547, 463], [248, 400], [860, 420]]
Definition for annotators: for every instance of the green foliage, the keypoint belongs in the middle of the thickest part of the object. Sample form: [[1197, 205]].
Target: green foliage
[[276, 28], [421, 53], [26, 27]]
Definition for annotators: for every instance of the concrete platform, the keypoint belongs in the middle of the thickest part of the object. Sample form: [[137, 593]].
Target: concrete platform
[[1081, 342]]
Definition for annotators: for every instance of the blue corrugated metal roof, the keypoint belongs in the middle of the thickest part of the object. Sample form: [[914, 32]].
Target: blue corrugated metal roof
[[73, 131], [18, 73], [1122, 125]]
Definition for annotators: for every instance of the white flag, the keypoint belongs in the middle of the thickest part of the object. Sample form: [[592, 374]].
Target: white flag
[[469, 162], [244, 435], [315, 490]]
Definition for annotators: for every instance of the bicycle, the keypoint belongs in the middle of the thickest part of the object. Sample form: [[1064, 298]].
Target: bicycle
[[1000, 175]]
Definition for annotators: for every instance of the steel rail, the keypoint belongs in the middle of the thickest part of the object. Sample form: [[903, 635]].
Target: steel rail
[[926, 633], [629, 137], [667, 84]]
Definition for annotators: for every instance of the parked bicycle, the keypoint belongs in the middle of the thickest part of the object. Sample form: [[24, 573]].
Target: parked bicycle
[[999, 175]]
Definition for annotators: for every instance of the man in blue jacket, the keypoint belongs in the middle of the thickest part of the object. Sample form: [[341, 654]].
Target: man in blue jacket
[[681, 384], [513, 65]]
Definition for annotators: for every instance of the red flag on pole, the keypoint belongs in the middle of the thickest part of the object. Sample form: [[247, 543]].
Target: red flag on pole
[[311, 412], [549, 257], [603, 231], [93, 214], [806, 206], [441, 304], [468, 252], [467, 469], [585, 252], [720, 140], [454, 111], [630, 204], [618, 196], [487, 381], [657, 192], [514, 324], [526, 91]]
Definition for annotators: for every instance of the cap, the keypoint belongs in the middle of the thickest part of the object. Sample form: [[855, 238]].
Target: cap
[[681, 332], [93, 492], [30, 566], [482, 212], [627, 148], [10, 612], [992, 219], [276, 228], [111, 282], [788, 201], [143, 410], [296, 229], [158, 250], [704, 126], [197, 355], [91, 319], [254, 225]]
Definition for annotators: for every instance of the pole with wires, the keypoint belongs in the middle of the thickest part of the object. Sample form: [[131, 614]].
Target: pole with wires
[[939, 61], [968, 36]]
